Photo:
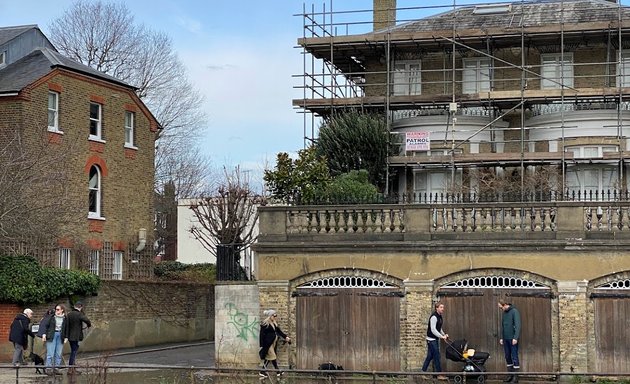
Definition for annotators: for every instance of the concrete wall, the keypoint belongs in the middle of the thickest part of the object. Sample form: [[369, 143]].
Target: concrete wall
[[237, 325], [132, 314]]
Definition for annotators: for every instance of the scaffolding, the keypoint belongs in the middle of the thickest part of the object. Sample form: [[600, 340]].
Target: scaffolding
[[498, 85]]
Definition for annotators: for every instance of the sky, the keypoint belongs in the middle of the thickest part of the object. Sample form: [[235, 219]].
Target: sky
[[241, 57]]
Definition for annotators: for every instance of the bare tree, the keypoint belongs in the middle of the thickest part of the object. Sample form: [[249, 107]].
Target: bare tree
[[105, 37], [227, 221], [27, 168]]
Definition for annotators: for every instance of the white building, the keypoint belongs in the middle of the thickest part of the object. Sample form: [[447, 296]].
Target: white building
[[191, 250]]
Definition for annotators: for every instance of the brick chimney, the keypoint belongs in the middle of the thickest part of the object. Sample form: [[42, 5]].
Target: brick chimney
[[384, 14]]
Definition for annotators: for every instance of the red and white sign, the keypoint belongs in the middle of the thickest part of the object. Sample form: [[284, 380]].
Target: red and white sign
[[417, 141]]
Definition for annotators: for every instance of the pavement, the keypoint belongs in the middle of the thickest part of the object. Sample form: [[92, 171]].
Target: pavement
[[168, 356]]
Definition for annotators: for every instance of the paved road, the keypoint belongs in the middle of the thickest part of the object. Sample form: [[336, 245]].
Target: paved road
[[180, 355], [198, 355]]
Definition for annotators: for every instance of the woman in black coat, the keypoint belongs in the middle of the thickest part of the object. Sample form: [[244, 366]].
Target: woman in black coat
[[270, 332], [19, 333]]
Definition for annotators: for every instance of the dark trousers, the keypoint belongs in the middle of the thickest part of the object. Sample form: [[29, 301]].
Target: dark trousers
[[433, 354], [74, 348], [511, 353]]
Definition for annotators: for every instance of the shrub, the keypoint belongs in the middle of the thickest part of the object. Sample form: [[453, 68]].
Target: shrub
[[174, 270], [24, 281]]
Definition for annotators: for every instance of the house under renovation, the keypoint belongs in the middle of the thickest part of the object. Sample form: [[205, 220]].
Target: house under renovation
[[509, 149]]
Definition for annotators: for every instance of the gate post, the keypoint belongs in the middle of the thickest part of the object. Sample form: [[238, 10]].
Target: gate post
[[573, 326], [418, 306]]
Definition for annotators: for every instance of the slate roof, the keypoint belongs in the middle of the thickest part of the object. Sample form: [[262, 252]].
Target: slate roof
[[10, 33], [528, 13], [38, 63]]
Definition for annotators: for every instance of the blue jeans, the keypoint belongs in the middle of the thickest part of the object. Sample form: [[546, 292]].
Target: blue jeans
[[511, 353], [54, 348], [433, 354]]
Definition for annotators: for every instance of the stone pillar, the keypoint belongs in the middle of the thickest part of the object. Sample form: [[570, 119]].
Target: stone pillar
[[236, 325], [573, 326], [272, 224], [384, 14], [274, 294], [570, 222], [417, 223], [418, 303]]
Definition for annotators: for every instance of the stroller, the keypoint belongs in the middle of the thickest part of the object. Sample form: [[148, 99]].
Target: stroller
[[473, 361]]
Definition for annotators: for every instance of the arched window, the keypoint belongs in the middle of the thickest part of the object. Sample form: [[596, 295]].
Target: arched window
[[94, 183]]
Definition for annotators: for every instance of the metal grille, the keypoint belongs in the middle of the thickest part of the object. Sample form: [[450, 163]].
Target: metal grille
[[617, 284], [347, 282], [493, 281], [107, 260]]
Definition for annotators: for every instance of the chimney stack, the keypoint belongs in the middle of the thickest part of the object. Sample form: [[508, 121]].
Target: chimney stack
[[384, 14]]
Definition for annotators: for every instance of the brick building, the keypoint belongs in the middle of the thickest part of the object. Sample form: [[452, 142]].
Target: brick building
[[523, 104], [94, 140]]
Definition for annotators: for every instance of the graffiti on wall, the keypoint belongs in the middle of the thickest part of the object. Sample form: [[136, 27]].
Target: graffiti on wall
[[245, 328]]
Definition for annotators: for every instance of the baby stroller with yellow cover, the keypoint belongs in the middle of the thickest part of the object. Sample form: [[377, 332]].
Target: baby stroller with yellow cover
[[474, 361]]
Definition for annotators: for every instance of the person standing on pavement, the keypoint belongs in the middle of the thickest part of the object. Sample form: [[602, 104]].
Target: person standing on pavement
[[18, 335], [270, 333], [76, 318], [511, 331], [55, 337], [433, 335]]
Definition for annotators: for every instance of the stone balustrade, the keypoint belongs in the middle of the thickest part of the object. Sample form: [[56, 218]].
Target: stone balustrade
[[396, 222]]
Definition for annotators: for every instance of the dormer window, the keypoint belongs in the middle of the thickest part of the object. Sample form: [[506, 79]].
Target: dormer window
[[3, 59]]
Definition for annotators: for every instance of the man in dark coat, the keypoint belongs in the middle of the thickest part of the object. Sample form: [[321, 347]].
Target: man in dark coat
[[76, 318], [511, 332], [20, 331]]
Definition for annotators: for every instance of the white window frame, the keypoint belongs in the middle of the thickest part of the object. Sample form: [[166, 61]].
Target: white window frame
[[430, 183], [590, 151], [54, 110], [130, 121], [577, 175], [557, 67], [476, 75], [94, 191], [623, 68], [94, 259], [407, 78], [3, 58], [97, 121], [64, 258], [117, 266]]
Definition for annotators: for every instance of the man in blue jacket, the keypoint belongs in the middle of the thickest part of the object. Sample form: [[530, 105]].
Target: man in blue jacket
[[511, 332]]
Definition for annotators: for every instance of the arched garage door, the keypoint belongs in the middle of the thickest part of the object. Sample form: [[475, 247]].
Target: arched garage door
[[348, 320], [472, 313], [611, 303]]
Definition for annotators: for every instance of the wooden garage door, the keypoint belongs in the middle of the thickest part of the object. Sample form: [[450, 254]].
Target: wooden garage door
[[473, 314], [358, 328], [612, 333]]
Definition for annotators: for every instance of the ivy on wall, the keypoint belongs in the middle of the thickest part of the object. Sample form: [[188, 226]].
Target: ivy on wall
[[24, 281]]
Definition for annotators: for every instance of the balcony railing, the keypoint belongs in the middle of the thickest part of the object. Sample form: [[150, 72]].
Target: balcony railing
[[557, 220]]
